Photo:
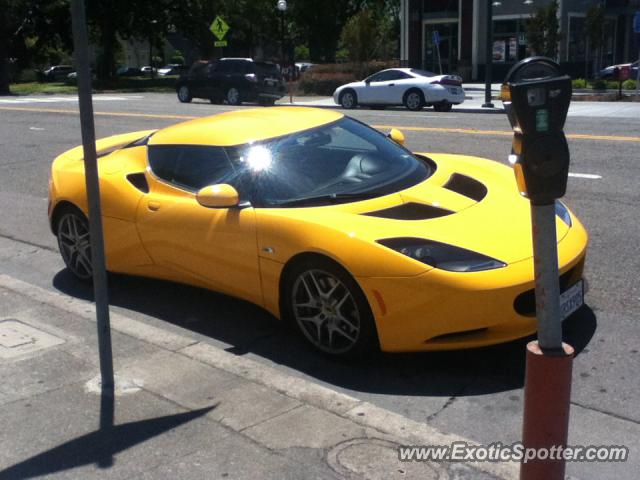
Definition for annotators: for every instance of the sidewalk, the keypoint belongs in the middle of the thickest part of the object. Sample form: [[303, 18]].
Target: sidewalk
[[183, 409]]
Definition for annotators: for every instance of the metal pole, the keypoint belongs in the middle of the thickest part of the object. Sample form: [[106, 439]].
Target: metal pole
[[81, 54], [545, 264], [488, 62]]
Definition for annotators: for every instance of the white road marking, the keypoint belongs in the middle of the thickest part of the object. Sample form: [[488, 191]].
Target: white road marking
[[65, 99], [36, 129], [585, 175]]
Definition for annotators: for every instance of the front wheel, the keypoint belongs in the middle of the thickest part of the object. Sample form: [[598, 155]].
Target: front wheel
[[348, 99], [328, 307], [184, 94], [74, 244]]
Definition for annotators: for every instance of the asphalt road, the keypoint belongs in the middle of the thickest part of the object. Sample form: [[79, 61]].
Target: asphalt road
[[478, 393]]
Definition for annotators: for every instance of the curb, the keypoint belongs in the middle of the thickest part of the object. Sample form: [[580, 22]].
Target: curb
[[363, 413]]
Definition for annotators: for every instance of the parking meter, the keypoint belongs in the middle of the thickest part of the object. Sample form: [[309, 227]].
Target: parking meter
[[536, 97]]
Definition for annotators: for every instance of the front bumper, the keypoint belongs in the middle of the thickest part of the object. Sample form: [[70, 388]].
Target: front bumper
[[441, 310]]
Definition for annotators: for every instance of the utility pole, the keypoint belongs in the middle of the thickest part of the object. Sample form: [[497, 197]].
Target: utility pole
[[488, 62]]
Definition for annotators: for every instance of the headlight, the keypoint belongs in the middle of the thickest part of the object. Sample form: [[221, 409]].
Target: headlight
[[563, 213], [441, 255]]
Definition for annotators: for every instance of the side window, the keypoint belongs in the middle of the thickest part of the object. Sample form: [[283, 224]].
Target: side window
[[224, 67], [376, 77], [397, 75], [190, 167]]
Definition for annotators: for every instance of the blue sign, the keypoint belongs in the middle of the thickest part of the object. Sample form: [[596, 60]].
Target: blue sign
[[636, 22], [436, 37]]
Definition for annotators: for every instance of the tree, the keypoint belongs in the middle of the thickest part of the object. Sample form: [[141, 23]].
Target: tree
[[594, 32], [367, 36], [543, 30]]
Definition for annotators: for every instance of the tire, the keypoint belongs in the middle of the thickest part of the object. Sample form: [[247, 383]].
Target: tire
[[442, 107], [266, 102], [328, 308], [413, 100], [233, 96], [72, 232], [184, 94], [348, 99]]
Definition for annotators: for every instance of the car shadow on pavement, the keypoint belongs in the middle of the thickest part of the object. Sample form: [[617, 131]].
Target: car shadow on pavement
[[244, 328]]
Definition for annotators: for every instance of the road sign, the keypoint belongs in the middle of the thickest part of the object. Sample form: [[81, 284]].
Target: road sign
[[436, 37], [219, 27], [636, 22], [220, 43]]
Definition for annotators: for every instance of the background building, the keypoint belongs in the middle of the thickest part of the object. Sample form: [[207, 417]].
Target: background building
[[461, 28]]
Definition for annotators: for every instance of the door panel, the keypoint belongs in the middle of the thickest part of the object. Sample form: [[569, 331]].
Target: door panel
[[215, 248]]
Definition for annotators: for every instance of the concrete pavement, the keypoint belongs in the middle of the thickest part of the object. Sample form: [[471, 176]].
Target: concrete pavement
[[183, 409]]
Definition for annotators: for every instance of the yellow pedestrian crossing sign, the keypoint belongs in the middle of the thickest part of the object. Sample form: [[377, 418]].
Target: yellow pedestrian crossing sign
[[219, 27]]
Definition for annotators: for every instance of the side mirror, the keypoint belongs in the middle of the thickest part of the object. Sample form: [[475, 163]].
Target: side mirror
[[218, 196], [396, 135], [367, 82]]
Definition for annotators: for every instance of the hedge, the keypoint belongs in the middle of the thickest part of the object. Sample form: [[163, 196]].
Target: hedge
[[324, 79]]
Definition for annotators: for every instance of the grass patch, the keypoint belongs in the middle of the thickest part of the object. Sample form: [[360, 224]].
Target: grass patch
[[133, 84]]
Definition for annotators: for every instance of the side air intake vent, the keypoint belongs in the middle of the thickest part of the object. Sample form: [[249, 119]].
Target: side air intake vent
[[410, 211], [139, 181], [466, 186]]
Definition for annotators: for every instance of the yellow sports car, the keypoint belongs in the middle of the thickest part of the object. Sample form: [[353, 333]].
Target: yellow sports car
[[324, 222]]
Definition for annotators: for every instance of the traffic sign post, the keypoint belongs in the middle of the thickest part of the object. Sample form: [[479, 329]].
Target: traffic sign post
[[536, 97], [436, 42], [219, 28]]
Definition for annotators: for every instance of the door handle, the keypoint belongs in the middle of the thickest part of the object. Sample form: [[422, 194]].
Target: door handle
[[392, 84], [153, 206]]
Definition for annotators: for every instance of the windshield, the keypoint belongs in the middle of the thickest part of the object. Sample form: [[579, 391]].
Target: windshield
[[342, 161]]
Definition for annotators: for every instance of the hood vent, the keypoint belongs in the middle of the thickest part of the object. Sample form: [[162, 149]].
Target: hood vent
[[410, 211], [467, 186]]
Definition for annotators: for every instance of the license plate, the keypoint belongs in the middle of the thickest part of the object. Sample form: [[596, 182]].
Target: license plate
[[571, 300]]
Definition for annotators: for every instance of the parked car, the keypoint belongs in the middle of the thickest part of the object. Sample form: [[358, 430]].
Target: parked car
[[608, 71], [128, 72], [57, 72], [173, 69], [74, 75], [324, 221], [234, 80], [148, 70], [410, 87]]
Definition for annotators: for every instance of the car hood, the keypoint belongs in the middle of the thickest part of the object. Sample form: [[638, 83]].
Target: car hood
[[468, 202]]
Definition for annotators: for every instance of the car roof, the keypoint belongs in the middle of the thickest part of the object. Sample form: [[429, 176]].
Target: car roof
[[244, 126]]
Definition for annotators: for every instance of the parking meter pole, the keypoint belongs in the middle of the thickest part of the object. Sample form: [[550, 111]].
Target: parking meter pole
[[545, 261], [81, 56], [488, 62]]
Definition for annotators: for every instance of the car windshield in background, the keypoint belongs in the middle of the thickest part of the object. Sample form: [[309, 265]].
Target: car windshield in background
[[267, 69], [338, 162], [424, 73]]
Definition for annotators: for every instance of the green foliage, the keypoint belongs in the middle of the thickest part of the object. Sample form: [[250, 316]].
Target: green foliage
[[301, 52], [593, 26], [629, 84], [360, 36], [578, 83], [176, 58], [543, 31], [599, 84]]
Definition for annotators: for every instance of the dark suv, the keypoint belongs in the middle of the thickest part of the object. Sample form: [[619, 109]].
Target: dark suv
[[235, 80]]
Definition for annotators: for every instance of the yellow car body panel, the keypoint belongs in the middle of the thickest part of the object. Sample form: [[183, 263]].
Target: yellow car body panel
[[165, 233]]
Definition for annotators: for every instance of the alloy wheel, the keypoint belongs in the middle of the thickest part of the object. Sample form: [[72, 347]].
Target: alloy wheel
[[348, 100], [413, 101], [75, 245], [233, 96], [325, 311]]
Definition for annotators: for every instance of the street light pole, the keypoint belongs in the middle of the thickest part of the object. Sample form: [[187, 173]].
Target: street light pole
[[282, 7], [488, 62]]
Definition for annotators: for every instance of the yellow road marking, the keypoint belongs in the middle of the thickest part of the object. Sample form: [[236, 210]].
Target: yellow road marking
[[408, 128]]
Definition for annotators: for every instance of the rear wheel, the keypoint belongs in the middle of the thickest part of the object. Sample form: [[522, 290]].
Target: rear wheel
[[74, 243], [328, 307], [184, 94], [442, 107], [348, 99], [233, 96], [413, 100]]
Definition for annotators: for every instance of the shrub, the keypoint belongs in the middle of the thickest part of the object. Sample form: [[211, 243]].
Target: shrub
[[579, 83], [179, 59], [599, 84], [629, 84], [323, 83], [28, 76]]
